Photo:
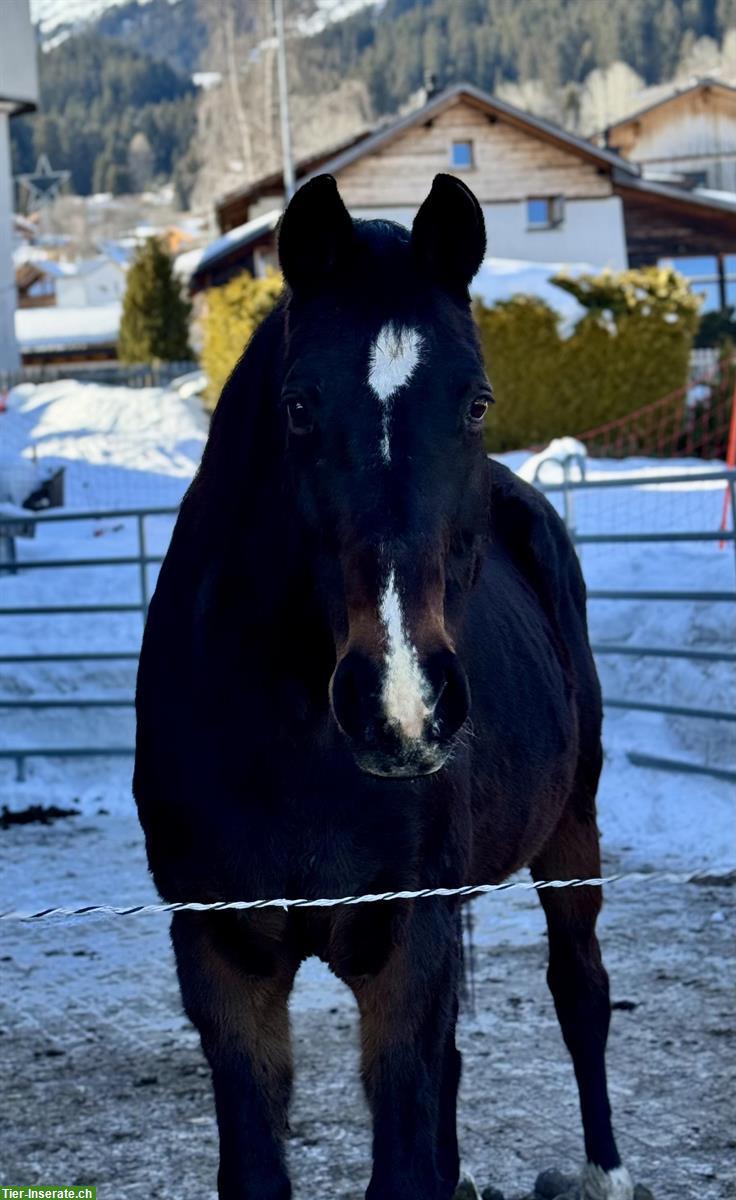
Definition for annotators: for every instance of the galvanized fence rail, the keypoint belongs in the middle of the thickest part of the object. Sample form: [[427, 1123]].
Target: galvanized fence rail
[[143, 560]]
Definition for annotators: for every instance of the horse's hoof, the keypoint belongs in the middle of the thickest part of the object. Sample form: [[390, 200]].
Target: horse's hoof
[[466, 1189], [491, 1193], [642, 1193], [551, 1184], [597, 1184]]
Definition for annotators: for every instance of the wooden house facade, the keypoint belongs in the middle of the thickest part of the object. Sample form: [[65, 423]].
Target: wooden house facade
[[547, 195], [688, 137]]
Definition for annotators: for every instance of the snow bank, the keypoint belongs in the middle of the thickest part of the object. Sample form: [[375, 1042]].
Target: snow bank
[[121, 447], [67, 328], [502, 278], [548, 465]]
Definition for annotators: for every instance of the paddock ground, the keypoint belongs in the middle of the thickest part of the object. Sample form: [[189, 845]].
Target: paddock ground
[[103, 1080]]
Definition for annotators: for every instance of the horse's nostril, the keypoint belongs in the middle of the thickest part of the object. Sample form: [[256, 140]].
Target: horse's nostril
[[354, 692], [453, 695]]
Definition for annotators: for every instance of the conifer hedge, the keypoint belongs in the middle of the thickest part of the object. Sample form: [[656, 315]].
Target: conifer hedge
[[155, 320], [631, 346], [232, 313]]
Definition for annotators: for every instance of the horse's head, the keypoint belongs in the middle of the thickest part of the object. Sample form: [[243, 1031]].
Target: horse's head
[[384, 397]]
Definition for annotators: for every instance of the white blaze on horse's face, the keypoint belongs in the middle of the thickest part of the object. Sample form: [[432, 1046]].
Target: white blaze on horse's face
[[392, 361], [405, 689], [394, 356]]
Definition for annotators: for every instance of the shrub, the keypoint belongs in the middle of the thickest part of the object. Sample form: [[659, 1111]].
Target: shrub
[[155, 320], [716, 328], [630, 347], [232, 314]]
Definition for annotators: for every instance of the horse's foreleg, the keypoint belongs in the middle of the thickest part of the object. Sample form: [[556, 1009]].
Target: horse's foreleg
[[579, 986], [236, 995], [411, 1068]]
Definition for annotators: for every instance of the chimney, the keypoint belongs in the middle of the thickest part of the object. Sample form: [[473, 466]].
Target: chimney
[[431, 86]]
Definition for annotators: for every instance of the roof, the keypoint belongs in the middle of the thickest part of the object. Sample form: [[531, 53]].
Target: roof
[[238, 238], [705, 83], [76, 269], [332, 161], [697, 203], [545, 130], [47, 329], [274, 180]]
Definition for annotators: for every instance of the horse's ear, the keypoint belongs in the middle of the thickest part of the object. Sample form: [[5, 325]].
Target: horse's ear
[[448, 237], [315, 234]]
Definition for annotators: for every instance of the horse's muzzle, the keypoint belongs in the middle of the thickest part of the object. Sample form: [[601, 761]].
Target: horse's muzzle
[[403, 727]]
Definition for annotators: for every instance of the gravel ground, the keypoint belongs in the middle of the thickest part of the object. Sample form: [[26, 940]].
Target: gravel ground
[[104, 1081]]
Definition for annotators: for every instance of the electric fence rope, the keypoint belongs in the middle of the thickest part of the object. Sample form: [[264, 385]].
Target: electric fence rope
[[703, 876]]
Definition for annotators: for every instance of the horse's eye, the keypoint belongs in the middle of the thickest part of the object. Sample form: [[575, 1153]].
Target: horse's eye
[[300, 418], [477, 410]]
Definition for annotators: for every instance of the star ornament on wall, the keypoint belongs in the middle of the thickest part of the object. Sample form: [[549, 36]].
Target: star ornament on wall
[[44, 184]]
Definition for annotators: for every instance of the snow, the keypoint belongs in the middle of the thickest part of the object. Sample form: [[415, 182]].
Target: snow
[[66, 328], [241, 235], [502, 278], [326, 12], [121, 447], [52, 16], [128, 447], [548, 466]]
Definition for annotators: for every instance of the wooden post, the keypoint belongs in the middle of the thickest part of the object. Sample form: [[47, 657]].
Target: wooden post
[[729, 500]]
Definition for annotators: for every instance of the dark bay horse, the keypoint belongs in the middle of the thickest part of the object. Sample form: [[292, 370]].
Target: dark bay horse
[[366, 668]]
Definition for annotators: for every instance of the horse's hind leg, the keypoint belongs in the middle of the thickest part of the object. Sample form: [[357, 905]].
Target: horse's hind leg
[[579, 986], [235, 982]]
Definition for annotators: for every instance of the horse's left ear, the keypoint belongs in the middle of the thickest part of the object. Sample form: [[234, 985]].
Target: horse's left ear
[[315, 234], [448, 237]]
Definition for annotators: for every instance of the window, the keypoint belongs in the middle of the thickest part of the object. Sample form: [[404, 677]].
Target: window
[[702, 273], [461, 154], [545, 212]]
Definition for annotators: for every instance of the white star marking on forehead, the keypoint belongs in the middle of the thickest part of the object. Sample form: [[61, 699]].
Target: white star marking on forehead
[[392, 361]]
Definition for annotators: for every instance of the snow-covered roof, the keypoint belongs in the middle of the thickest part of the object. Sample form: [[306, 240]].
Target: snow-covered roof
[[117, 252], [77, 269], [67, 328], [187, 263], [239, 237]]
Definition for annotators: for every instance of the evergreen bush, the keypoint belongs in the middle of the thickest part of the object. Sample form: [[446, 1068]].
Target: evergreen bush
[[631, 346], [232, 313], [155, 320]]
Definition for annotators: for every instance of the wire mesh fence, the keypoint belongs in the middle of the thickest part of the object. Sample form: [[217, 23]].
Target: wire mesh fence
[[72, 608]]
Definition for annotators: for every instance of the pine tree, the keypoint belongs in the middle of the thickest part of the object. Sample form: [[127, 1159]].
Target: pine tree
[[155, 321]]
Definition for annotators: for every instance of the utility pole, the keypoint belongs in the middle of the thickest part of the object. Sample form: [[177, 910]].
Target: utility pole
[[286, 155]]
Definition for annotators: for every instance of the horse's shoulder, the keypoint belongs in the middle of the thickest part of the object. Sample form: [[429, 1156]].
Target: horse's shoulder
[[535, 537]]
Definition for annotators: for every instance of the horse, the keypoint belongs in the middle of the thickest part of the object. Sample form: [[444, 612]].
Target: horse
[[366, 669]]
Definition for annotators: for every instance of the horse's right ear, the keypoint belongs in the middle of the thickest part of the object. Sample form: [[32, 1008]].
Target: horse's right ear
[[315, 234], [448, 237]]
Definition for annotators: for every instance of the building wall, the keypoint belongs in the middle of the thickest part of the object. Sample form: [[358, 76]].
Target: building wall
[[510, 164], [9, 354], [18, 71], [592, 231], [695, 132], [103, 286]]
